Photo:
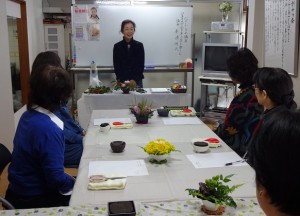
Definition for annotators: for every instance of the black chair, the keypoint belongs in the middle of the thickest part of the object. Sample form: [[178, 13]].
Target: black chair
[[5, 158]]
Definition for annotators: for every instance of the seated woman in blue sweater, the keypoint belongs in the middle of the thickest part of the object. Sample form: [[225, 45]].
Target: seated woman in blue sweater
[[36, 173], [72, 131]]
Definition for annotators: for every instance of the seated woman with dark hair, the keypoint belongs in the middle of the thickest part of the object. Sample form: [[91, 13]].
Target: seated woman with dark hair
[[274, 155], [243, 113], [72, 131], [36, 173], [274, 90]]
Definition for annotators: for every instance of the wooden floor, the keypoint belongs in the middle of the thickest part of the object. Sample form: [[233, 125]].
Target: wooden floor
[[4, 180]]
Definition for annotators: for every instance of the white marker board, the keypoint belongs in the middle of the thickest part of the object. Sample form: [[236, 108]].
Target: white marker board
[[164, 31], [281, 34]]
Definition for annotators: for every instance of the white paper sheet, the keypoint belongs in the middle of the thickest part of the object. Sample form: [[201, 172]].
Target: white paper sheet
[[207, 160], [182, 121], [110, 120], [128, 168], [160, 90]]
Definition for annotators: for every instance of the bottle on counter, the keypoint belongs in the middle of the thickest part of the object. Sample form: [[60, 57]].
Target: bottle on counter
[[94, 79]]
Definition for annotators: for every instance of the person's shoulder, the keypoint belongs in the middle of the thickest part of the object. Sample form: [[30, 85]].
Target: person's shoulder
[[39, 123], [137, 42], [119, 43]]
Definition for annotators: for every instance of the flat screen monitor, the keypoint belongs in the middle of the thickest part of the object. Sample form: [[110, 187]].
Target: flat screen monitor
[[214, 58]]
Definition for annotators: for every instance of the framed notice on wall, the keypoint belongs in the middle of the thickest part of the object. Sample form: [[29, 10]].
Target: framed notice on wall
[[281, 34]]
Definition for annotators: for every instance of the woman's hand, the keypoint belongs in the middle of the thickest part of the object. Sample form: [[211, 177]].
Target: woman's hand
[[83, 133]]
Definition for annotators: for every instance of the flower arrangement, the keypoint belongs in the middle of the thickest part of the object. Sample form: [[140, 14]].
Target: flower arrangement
[[215, 191], [97, 90], [125, 87], [158, 150], [142, 110], [159, 147], [225, 7]]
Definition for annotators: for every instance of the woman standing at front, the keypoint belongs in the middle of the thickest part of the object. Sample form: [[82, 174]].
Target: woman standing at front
[[129, 56]]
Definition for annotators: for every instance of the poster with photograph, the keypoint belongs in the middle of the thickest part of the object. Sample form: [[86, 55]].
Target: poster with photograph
[[93, 32], [93, 16], [80, 14]]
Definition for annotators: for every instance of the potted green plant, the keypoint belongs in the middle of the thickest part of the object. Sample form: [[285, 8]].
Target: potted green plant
[[215, 194]]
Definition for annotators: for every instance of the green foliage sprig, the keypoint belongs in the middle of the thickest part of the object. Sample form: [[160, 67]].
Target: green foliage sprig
[[98, 90], [215, 191]]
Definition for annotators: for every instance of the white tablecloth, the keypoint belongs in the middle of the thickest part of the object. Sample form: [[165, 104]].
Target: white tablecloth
[[165, 182], [117, 100]]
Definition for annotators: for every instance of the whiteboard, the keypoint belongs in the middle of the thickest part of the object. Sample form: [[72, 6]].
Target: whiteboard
[[164, 31], [281, 34]]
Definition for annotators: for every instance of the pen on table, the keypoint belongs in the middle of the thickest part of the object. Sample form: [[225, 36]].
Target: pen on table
[[235, 162]]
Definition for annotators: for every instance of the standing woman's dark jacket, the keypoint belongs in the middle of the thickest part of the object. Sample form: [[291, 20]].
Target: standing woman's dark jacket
[[241, 119], [129, 60]]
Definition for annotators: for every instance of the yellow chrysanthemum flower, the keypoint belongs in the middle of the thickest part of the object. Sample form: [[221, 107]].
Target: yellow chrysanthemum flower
[[159, 147]]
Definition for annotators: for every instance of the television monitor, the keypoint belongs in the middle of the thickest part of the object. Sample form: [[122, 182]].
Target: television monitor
[[214, 58]]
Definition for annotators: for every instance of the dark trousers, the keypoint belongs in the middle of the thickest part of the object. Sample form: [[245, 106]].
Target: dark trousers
[[73, 153], [139, 83], [52, 199]]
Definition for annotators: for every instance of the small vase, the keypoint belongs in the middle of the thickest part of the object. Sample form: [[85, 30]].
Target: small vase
[[210, 206], [224, 16], [158, 159], [142, 119], [125, 91]]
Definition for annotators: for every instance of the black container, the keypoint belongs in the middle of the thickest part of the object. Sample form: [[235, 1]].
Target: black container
[[121, 208], [163, 112], [117, 146]]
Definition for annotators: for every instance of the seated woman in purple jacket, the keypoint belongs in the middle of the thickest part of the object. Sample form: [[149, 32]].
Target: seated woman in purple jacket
[[72, 131], [36, 173]]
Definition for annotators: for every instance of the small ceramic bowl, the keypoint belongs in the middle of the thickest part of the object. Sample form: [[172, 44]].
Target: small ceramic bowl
[[200, 146], [163, 112], [104, 127], [117, 146]]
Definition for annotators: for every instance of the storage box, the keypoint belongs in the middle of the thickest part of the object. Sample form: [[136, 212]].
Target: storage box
[[121, 208]]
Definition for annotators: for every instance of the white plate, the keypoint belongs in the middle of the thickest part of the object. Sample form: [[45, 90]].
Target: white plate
[[211, 145]]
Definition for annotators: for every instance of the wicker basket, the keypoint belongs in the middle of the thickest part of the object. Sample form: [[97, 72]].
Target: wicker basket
[[180, 90]]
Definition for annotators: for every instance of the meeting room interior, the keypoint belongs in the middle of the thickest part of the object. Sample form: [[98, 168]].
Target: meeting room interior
[[151, 89]]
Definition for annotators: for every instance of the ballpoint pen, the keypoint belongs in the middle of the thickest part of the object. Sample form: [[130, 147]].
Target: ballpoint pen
[[232, 163]]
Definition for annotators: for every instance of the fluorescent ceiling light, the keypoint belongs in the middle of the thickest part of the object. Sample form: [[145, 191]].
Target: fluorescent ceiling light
[[103, 2]]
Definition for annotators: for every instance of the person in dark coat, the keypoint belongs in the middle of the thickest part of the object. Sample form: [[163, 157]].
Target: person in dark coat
[[129, 56]]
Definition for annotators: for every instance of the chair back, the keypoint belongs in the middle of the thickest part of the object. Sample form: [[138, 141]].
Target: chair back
[[5, 157]]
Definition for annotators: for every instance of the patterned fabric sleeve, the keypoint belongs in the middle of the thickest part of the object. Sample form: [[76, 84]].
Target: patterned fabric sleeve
[[241, 118]]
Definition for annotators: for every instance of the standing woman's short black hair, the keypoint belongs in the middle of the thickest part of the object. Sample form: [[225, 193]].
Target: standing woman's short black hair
[[275, 156], [242, 65], [126, 22], [49, 86], [278, 84]]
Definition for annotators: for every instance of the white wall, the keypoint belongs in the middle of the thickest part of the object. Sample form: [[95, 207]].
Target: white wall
[[296, 80], [35, 28], [36, 45], [256, 39], [6, 109]]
